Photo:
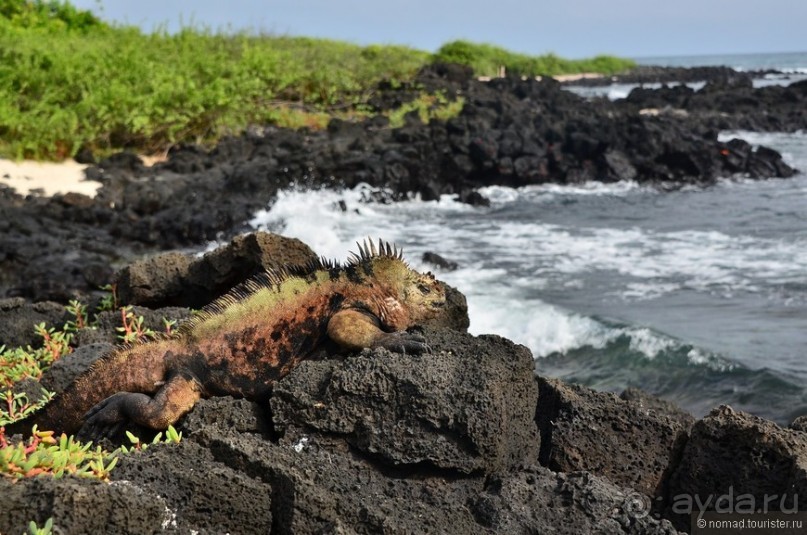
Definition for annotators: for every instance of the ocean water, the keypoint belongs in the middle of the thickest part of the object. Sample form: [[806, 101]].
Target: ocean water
[[698, 295], [789, 62]]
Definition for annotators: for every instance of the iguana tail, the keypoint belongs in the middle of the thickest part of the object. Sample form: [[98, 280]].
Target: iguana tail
[[139, 368]]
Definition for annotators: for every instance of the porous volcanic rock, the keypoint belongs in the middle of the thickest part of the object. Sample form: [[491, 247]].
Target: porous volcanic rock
[[81, 506], [18, 317], [627, 442], [53, 251], [729, 104], [731, 457], [537, 500], [657, 406], [202, 495], [465, 406], [177, 279]]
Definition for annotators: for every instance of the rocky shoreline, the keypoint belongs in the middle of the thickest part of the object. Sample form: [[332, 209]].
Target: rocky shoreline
[[650, 74], [463, 439], [511, 132]]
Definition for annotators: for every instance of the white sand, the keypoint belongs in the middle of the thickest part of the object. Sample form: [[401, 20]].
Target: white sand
[[558, 77], [44, 178], [579, 76]]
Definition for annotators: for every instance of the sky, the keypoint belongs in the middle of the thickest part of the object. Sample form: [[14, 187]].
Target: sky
[[570, 28]]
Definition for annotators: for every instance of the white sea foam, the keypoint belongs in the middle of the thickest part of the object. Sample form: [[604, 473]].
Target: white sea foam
[[544, 328], [618, 91], [507, 264], [548, 192], [662, 262], [540, 243], [324, 219]]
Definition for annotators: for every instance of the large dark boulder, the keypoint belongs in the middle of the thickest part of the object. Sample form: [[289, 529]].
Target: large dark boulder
[[731, 457], [630, 443], [466, 406], [178, 279]]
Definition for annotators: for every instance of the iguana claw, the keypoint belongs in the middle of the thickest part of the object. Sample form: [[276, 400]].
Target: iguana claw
[[402, 342]]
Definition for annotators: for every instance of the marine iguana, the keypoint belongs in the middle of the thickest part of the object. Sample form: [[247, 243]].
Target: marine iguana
[[248, 339]]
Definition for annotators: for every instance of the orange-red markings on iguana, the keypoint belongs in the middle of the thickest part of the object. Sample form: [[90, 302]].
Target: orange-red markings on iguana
[[245, 341]]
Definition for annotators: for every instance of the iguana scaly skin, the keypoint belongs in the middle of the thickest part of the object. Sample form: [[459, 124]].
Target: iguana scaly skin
[[245, 341]]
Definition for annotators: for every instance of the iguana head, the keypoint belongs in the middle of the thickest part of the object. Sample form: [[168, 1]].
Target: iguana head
[[421, 294]]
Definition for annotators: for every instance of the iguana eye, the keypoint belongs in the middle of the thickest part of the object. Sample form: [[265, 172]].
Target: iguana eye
[[424, 289]]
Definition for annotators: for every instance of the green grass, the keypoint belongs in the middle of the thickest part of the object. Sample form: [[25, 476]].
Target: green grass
[[68, 80], [121, 88]]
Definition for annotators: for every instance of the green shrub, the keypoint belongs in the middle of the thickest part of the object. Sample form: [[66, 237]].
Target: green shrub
[[52, 14], [117, 89], [486, 59], [428, 106]]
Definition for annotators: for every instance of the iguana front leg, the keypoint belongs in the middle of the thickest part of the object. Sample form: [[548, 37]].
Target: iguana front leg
[[355, 329], [176, 397]]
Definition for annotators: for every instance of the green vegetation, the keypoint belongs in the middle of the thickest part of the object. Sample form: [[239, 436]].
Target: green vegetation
[[62, 87], [68, 80], [34, 529], [19, 363], [49, 15], [428, 106], [16, 406], [486, 59], [43, 453]]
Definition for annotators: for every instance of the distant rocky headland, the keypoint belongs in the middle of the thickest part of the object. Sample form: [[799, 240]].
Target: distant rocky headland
[[651, 74]]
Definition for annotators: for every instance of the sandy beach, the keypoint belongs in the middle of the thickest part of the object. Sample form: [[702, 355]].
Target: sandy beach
[[46, 178]]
